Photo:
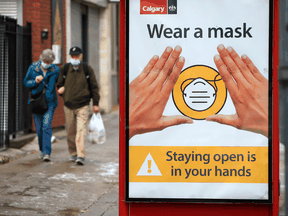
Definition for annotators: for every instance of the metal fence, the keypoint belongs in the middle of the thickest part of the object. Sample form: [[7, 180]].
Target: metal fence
[[15, 58]]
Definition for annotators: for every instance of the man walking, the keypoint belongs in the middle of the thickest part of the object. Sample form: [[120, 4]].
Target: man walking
[[77, 84]]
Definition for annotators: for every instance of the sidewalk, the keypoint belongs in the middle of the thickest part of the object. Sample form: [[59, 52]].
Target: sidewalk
[[29, 186]]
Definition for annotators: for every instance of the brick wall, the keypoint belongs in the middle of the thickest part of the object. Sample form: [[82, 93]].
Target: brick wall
[[59, 116], [38, 12]]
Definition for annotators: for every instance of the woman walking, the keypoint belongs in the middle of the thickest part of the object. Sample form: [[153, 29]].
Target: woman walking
[[40, 79]]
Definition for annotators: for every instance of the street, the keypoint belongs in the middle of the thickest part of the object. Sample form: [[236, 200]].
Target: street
[[29, 186]]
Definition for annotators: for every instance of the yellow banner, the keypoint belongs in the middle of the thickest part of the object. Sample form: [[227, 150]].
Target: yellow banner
[[198, 164]]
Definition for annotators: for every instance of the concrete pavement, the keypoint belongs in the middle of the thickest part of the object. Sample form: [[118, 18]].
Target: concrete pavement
[[29, 186]]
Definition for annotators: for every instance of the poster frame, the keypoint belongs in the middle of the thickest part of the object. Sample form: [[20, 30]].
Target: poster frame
[[270, 136]]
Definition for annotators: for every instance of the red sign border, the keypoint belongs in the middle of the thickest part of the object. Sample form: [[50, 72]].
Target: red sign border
[[167, 209]]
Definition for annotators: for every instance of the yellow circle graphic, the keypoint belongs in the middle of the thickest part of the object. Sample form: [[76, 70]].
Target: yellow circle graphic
[[199, 92]]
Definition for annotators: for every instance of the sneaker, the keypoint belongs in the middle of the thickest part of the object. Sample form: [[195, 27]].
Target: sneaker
[[41, 155], [73, 158], [46, 158], [80, 161]]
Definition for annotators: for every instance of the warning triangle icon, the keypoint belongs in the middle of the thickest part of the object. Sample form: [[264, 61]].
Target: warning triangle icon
[[149, 168]]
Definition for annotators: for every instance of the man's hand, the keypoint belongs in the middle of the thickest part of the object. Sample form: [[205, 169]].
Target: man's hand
[[39, 78], [96, 109], [61, 90], [149, 93], [248, 89]]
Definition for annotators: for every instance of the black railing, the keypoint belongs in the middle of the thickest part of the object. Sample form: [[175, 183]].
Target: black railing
[[15, 58]]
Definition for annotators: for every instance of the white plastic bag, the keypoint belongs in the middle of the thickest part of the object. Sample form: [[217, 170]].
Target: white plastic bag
[[96, 129]]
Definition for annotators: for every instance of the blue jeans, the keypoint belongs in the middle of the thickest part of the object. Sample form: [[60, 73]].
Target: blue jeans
[[44, 130]]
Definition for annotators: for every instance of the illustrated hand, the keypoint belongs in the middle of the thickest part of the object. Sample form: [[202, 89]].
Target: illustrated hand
[[149, 93], [39, 78], [248, 89], [96, 109], [61, 90]]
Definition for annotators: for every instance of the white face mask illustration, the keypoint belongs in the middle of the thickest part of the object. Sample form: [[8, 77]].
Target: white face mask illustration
[[199, 95]]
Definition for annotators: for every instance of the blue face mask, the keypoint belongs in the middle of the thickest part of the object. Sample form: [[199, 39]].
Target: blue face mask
[[46, 66], [75, 62]]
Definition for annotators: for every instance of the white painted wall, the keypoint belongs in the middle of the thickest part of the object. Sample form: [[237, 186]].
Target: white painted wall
[[99, 43], [68, 28], [105, 60], [76, 36], [12, 8], [93, 38]]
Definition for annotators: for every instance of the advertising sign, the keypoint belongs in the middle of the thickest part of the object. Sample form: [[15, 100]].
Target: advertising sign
[[200, 87]]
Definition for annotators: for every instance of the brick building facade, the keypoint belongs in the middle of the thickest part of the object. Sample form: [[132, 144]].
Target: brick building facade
[[92, 25], [39, 13]]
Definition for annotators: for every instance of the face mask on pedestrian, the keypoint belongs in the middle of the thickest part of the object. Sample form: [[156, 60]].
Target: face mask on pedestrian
[[45, 66], [75, 62]]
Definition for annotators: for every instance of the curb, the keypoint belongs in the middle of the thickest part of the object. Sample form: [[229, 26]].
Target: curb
[[11, 154], [30, 147]]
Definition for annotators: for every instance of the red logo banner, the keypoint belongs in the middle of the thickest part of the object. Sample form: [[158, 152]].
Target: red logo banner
[[153, 6]]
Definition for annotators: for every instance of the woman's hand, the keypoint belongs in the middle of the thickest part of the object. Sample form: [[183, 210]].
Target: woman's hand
[[39, 78], [248, 89], [61, 90], [149, 93]]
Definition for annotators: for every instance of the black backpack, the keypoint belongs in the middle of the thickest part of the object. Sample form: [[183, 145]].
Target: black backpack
[[86, 71]]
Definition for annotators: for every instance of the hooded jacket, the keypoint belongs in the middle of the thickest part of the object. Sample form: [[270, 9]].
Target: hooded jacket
[[35, 88]]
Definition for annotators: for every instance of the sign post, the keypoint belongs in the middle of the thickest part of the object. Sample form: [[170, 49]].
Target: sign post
[[198, 132], [283, 90]]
